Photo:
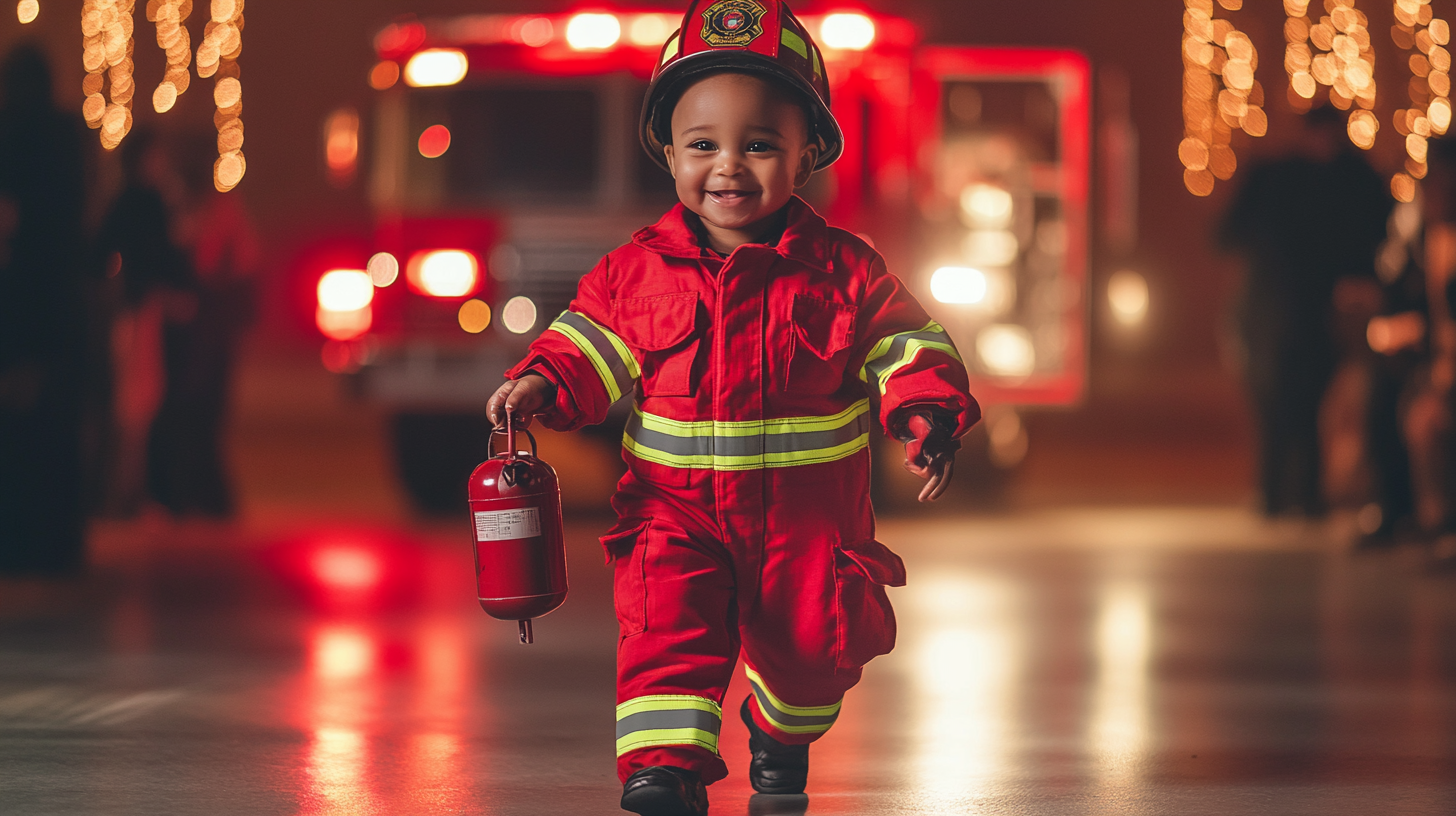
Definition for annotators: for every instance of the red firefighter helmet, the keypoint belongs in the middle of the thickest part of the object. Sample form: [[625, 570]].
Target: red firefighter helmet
[[756, 36]]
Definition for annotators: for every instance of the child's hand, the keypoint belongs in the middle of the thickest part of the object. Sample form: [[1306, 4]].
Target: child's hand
[[523, 399], [930, 454]]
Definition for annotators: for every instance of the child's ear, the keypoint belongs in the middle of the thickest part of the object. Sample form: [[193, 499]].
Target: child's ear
[[671, 167], [807, 160]]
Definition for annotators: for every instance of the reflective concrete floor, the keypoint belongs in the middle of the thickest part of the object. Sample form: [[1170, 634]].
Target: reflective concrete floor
[[1173, 661]]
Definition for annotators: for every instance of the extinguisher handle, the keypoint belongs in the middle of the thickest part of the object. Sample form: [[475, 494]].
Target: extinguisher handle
[[509, 431]]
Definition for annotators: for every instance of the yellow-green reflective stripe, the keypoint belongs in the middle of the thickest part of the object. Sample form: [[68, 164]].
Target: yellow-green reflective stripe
[[795, 42], [896, 351], [667, 702], [670, 719], [613, 362], [748, 445], [755, 427], [791, 719], [671, 736]]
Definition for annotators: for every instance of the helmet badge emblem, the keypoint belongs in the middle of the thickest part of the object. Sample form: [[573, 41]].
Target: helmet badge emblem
[[732, 23]]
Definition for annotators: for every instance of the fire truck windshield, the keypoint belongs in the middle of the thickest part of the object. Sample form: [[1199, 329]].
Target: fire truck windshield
[[530, 143]]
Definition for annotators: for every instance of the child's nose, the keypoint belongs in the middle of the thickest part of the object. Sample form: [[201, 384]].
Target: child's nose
[[729, 164]]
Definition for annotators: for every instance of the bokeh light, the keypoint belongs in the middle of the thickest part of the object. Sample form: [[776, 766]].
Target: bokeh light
[[474, 316], [444, 273], [345, 290], [519, 314], [384, 75], [1221, 93], [850, 32], [958, 284], [383, 269], [27, 10], [593, 32], [341, 145], [651, 30], [1127, 295], [436, 67], [434, 141], [1006, 350]]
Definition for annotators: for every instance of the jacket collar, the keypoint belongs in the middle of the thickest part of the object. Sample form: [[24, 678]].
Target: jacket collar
[[805, 238]]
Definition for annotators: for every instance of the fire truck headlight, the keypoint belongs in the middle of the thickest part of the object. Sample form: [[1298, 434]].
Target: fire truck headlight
[[1006, 350], [850, 32], [435, 67], [593, 32], [345, 290], [958, 284], [443, 273], [1127, 294], [519, 315]]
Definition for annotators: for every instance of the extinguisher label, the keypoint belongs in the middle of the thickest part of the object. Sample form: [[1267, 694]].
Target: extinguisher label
[[506, 525]]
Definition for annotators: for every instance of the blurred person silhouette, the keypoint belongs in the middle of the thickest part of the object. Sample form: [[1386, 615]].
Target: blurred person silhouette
[[1427, 331], [1300, 224], [154, 284], [186, 469], [42, 322]]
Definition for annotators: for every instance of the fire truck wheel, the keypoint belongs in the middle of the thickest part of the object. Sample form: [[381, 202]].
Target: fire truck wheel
[[434, 455]]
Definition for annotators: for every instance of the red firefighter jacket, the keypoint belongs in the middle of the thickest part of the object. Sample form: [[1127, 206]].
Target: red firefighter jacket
[[764, 367]]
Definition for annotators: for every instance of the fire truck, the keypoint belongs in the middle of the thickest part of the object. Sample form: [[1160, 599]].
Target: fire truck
[[503, 162]]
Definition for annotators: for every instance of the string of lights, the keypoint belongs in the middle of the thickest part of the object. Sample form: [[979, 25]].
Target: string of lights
[[107, 27], [170, 17], [1418, 29], [222, 44], [1220, 94]]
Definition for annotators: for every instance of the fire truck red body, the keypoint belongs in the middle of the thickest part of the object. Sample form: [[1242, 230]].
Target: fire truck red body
[[503, 162]]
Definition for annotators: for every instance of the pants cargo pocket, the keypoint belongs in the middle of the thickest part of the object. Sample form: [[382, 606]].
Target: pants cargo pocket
[[865, 626], [626, 547]]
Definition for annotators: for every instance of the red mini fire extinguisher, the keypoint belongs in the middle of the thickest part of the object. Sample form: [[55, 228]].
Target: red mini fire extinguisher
[[515, 510]]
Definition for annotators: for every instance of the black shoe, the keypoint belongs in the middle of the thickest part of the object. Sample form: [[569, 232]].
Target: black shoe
[[663, 790], [776, 768]]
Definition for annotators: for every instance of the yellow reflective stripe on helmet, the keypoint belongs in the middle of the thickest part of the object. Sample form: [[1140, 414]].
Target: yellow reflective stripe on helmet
[[795, 42], [668, 719], [787, 718], [607, 353], [748, 445], [896, 351]]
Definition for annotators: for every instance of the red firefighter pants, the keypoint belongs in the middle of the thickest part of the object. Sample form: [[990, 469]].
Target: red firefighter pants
[[695, 585]]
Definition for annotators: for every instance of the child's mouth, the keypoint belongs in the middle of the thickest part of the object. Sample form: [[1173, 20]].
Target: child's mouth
[[731, 197]]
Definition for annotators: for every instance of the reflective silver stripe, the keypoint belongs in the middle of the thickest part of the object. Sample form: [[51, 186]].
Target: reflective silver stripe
[[607, 353], [781, 719], [656, 720], [899, 350]]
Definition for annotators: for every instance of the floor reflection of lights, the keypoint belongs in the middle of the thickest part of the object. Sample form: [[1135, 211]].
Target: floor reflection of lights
[[341, 702], [968, 655], [1118, 726]]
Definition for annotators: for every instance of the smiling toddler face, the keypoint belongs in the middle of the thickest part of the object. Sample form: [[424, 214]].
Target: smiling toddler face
[[740, 147]]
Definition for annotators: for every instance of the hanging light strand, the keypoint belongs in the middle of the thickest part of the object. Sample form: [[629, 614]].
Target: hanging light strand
[[222, 44], [108, 45], [1220, 94], [170, 17], [1418, 30]]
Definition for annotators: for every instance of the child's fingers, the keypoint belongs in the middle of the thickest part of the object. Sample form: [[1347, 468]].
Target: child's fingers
[[523, 402], [494, 408], [939, 474]]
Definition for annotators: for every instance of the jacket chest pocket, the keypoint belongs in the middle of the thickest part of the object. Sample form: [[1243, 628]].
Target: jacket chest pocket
[[661, 329], [822, 332]]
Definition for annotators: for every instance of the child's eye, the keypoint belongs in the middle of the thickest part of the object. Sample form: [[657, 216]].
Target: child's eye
[[760, 147], [702, 144]]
